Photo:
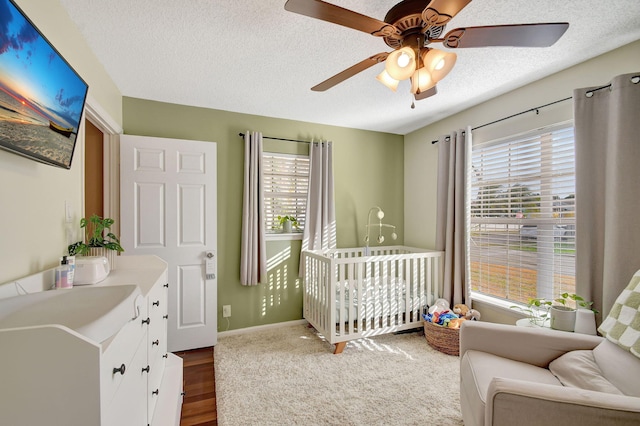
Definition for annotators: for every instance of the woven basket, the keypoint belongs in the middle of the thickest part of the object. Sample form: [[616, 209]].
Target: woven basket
[[444, 339]]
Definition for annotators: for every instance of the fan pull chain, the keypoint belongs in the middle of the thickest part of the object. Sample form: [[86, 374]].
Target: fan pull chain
[[413, 104]]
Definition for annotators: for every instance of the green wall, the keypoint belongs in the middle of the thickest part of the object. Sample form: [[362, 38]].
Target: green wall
[[368, 171]]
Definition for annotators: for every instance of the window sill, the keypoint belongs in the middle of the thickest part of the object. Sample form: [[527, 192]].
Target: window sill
[[503, 306], [283, 237]]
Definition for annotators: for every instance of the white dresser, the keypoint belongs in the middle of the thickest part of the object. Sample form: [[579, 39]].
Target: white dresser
[[55, 376]]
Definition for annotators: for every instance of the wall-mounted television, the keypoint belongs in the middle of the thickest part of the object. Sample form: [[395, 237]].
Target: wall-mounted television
[[41, 96]]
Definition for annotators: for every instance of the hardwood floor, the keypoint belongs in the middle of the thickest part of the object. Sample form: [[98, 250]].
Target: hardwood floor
[[199, 404]]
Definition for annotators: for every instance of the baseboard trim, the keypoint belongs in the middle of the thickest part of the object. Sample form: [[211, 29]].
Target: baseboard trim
[[260, 327]]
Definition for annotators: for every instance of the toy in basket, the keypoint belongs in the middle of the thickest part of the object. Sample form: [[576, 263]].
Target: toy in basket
[[442, 326]]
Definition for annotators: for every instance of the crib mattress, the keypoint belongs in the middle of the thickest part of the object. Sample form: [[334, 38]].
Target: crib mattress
[[388, 298]]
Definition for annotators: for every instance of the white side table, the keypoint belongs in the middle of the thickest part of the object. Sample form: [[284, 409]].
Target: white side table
[[585, 323]]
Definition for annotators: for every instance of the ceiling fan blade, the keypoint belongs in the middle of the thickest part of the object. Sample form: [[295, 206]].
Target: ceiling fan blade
[[338, 15], [426, 93], [350, 72], [522, 35], [439, 12]]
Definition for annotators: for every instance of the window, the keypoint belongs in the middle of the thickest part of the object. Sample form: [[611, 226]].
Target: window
[[286, 182], [522, 216]]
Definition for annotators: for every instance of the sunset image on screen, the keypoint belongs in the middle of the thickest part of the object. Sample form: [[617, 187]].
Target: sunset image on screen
[[41, 96]]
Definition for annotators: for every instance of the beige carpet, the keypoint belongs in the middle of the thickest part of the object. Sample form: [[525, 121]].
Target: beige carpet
[[289, 376]]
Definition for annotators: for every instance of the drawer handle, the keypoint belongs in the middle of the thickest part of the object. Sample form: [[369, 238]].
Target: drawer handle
[[146, 369], [155, 392], [165, 316], [166, 285], [155, 342], [165, 356], [119, 370], [147, 321], [156, 303]]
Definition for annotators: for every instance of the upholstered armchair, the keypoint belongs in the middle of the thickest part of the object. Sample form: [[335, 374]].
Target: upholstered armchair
[[525, 376]]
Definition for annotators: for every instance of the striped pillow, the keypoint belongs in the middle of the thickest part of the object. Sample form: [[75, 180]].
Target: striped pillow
[[622, 326]]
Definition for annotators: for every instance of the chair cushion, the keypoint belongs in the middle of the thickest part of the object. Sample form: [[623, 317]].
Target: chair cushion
[[578, 369], [477, 369], [622, 326], [619, 367]]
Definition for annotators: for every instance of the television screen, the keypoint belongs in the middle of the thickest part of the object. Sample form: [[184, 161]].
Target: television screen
[[41, 96]]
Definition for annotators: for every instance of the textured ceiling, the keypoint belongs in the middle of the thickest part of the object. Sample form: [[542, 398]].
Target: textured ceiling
[[252, 56]]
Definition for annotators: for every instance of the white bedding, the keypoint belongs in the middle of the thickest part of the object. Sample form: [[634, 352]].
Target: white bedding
[[388, 297]]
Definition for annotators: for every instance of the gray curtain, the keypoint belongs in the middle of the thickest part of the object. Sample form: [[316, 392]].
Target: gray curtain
[[253, 256], [607, 136], [451, 218], [320, 222]]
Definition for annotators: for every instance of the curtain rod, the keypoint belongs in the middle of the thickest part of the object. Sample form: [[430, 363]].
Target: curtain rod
[[634, 79], [517, 114], [277, 139]]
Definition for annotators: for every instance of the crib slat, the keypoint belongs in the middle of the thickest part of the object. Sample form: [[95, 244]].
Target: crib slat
[[352, 297], [360, 298], [429, 281], [374, 295], [420, 298], [404, 288], [326, 295], [341, 296], [393, 297], [414, 284]]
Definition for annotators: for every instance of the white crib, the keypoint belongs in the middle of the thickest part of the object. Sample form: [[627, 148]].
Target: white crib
[[348, 295]]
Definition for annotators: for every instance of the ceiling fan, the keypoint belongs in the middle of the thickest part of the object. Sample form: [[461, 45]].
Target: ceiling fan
[[410, 27]]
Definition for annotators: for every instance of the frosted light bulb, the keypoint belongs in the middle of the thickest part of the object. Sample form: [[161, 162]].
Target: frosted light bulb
[[403, 60], [400, 64], [438, 63]]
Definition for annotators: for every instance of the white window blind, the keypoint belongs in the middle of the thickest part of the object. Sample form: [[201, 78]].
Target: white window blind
[[522, 215], [286, 182]]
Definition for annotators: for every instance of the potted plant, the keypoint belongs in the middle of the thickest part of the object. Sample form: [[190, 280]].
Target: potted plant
[[563, 316], [98, 239], [287, 222], [537, 311]]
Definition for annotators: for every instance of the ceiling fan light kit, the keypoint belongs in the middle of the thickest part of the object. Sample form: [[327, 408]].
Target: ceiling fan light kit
[[421, 81], [401, 64], [410, 27], [439, 63], [387, 80]]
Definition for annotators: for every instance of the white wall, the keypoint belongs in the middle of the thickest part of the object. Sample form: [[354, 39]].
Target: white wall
[[32, 195], [420, 155]]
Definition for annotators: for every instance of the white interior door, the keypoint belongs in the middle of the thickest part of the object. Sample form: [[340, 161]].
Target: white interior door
[[168, 208]]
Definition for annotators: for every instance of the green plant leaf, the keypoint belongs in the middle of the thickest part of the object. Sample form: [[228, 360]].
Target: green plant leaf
[[94, 236]]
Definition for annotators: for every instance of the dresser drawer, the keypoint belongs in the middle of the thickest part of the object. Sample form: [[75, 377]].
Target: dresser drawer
[[127, 405], [157, 302], [157, 337], [154, 385], [120, 352]]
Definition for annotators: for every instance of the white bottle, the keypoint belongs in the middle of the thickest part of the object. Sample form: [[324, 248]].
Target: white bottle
[[62, 275], [71, 261]]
